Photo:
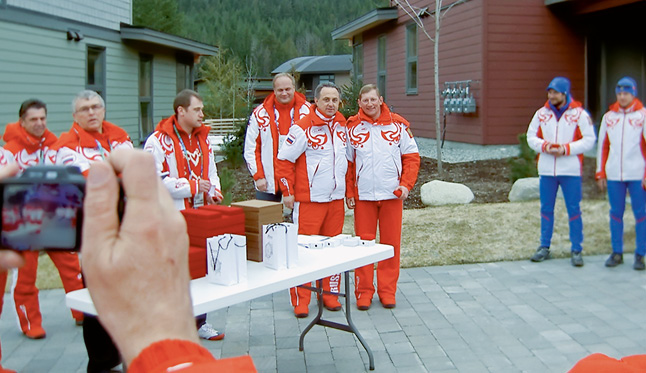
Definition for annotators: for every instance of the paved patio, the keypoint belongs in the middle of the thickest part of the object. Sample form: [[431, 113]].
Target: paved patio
[[495, 317]]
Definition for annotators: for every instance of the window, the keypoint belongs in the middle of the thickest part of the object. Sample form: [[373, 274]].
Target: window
[[411, 59], [184, 76], [145, 96], [357, 57], [326, 79], [381, 65], [96, 70]]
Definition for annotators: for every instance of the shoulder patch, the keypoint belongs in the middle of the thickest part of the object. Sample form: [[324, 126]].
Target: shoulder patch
[[290, 139]]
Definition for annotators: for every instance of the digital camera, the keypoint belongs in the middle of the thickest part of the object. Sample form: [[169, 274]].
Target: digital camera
[[42, 209]]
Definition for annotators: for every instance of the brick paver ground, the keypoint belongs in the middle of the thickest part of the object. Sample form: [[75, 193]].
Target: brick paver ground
[[494, 317]]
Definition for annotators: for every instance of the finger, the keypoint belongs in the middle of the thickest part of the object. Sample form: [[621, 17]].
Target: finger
[[9, 170], [101, 226], [10, 259]]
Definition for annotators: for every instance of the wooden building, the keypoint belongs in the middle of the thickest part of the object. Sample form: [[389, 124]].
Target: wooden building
[[509, 50]]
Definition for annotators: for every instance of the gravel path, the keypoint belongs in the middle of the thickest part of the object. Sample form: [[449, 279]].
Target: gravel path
[[456, 152]]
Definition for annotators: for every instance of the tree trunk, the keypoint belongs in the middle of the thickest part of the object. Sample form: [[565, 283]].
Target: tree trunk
[[436, 77]]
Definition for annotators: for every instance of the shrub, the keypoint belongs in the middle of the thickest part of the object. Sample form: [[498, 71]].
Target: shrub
[[349, 97], [227, 181], [525, 164], [233, 145]]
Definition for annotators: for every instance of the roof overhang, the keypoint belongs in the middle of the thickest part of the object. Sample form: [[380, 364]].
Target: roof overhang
[[367, 21], [589, 6], [146, 35]]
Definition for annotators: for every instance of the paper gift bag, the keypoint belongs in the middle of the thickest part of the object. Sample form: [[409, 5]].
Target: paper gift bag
[[226, 259], [280, 245]]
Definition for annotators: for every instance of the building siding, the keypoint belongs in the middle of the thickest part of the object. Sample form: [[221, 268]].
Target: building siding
[[527, 45], [108, 14]]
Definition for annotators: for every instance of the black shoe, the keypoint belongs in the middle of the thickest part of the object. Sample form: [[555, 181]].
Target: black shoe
[[615, 259], [577, 259], [639, 263], [541, 254]]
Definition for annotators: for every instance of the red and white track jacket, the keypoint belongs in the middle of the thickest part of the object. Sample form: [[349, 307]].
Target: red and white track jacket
[[182, 183], [77, 147], [621, 151], [5, 157], [27, 149], [263, 139], [574, 130], [312, 163], [383, 155]]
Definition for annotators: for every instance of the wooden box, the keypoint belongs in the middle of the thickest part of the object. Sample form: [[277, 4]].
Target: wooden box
[[257, 213]]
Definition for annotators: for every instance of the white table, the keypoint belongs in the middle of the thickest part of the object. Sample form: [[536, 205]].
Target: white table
[[312, 264]]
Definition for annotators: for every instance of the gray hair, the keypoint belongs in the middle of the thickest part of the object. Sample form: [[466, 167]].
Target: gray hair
[[319, 88], [281, 75], [86, 95]]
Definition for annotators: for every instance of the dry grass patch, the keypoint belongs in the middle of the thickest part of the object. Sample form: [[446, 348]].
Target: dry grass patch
[[492, 232]]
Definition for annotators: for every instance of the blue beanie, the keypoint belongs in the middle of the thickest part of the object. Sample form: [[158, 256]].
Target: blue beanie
[[560, 84], [626, 84]]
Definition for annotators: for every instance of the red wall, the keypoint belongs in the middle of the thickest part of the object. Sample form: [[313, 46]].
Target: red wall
[[510, 49]]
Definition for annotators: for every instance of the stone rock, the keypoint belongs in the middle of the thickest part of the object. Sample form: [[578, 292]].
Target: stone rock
[[436, 193], [525, 189]]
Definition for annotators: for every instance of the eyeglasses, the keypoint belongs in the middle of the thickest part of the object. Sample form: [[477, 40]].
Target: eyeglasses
[[86, 109]]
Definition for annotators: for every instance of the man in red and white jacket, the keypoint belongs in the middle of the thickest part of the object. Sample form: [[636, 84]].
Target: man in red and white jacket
[[621, 161], [6, 158], [91, 139], [29, 141], [185, 162], [384, 162], [312, 165], [267, 129], [561, 131]]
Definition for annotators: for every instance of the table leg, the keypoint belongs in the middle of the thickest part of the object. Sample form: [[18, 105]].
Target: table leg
[[330, 324]]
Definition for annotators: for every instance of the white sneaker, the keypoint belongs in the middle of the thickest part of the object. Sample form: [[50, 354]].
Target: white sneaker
[[206, 331]]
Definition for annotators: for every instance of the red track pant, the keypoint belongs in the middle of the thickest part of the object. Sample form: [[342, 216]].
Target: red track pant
[[325, 219], [3, 285], [25, 293], [388, 214]]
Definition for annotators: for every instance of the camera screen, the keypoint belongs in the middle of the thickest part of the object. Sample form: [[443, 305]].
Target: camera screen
[[40, 216]]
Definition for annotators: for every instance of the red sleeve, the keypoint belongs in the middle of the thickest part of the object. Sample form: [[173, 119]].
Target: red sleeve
[[185, 357], [605, 149], [285, 171], [260, 174], [410, 169], [350, 177], [600, 363]]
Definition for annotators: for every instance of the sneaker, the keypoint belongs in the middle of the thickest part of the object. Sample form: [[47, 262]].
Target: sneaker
[[332, 304], [615, 259], [541, 254], [301, 311], [388, 302], [577, 259], [36, 333], [207, 332], [639, 263], [364, 303]]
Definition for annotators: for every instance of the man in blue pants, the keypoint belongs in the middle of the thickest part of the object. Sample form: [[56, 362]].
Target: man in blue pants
[[560, 132], [620, 166]]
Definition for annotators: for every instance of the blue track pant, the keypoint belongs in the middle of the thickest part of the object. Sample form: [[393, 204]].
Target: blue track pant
[[617, 198], [571, 187]]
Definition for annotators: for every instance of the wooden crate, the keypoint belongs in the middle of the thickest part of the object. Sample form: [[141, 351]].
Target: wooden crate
[[258, 213]]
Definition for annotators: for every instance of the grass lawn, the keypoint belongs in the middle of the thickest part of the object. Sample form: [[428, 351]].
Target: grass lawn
[[473, 233]]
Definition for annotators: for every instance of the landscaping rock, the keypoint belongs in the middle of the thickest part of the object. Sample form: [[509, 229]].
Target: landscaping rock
[[437, 193], [525, 189]]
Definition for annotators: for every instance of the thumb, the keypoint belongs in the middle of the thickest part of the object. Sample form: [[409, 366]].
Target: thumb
[[101, 223]]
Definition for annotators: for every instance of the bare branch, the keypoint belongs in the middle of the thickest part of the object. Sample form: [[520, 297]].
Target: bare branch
[[414, 16], [442, 14]]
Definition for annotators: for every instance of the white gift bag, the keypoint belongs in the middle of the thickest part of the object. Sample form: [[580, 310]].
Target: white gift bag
[[226, 259], [280, 245]]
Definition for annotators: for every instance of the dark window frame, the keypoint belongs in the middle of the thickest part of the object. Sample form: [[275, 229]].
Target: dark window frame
[[382, 57], [99, 83], [146, 99], [412, 36]]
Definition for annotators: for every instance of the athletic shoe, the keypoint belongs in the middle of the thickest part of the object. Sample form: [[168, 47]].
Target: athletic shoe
[[577, 259], [639, 263], [301, 311], [36, 333], [388, 302], [541, 254], [332, 303], [207, 332], [615, 259], [364, 303]]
